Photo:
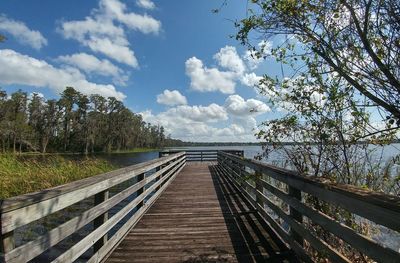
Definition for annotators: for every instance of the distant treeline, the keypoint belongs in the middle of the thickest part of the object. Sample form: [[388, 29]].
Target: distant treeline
[[179, 143], [73, 123]]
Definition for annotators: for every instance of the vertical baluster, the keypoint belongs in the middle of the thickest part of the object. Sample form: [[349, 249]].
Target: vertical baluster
[[259, 190], [97, 222], [140, 178], [7, 243], [296, 215]]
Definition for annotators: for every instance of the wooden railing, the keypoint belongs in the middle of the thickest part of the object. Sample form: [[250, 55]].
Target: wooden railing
[[254, 179], [200, 155], [142, 186]]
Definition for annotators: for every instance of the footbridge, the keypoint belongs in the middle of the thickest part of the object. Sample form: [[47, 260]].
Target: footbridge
[[197, 206]]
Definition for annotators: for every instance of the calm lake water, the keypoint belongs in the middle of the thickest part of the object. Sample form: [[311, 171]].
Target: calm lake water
[[125, 159]]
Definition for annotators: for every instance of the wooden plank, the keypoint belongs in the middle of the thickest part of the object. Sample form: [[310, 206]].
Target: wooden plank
[[276, 227], [362, 243], [238, 185], [103, 253], [282, 233], [34, 248], [380, 208], [198, 215], [98, 221], [295, 214], [79, 248], [324, 248], [64, 198], [30, 198]]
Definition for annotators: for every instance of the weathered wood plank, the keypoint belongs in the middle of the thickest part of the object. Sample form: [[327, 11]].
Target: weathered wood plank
[[34, 248], [199, 215], [380, 208], [79, 248], [315, 242], [362, 243], [103, 253], [15, 212]]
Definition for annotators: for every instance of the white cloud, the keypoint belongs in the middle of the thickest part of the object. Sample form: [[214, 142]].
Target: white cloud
[[253, 58], [189, 130], [250, 79], [228, 58], [24, 70], [116, 10], [92, 65], [171, 98], [203, 123], [237, 106], [147, 4], [206, 79], [210, 113], [103, 31], [209, 79], [22, 33]]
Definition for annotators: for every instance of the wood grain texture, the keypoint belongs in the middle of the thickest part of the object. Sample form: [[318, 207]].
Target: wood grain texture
[[380, 208], [201, 218]]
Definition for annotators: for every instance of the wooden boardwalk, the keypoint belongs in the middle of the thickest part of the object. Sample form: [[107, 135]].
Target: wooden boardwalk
[[201, 218]]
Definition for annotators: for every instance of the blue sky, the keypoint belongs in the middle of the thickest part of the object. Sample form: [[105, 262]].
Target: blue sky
[[171, 61]]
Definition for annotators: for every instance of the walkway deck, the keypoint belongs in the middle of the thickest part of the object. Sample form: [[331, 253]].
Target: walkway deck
[[201, 218]]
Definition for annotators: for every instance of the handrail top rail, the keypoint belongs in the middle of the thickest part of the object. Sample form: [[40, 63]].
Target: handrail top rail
[[198, 150], [17, 202], [390, 202]]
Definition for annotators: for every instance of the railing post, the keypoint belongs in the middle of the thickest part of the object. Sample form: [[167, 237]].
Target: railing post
[[140, 178], [259, 189], [97, 222], [7, 242], [296, 215]]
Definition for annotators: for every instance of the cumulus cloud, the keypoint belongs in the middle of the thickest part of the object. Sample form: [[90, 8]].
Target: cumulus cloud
[[147, 4], [90, 64], [182, 127], [250, 79], [253, 58], [116, 10], [209, 79], [228, 58], [104, 30], [206, 123], [210, 113], [206, 79], [237, 106], [22, 33], [171, 98], [24, 70]]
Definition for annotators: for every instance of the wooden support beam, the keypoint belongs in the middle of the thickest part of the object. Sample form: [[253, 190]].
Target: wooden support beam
[[98, 199], [141, 190], [296, 215]]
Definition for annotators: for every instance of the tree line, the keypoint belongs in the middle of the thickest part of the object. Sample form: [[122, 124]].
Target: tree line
[[73, 123]]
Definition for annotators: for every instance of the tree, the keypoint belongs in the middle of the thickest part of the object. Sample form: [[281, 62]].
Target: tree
[[356, 40], [76, 122], [344, 58], [66, 104]]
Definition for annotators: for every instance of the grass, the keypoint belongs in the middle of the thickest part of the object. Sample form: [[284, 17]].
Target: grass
[[25, 175], [138, 150]]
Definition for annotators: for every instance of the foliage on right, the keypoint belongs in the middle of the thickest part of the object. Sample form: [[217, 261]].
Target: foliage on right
[[341, 93]]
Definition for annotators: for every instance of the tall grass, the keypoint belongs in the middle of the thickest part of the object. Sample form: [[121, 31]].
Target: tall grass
[[25, 175]]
